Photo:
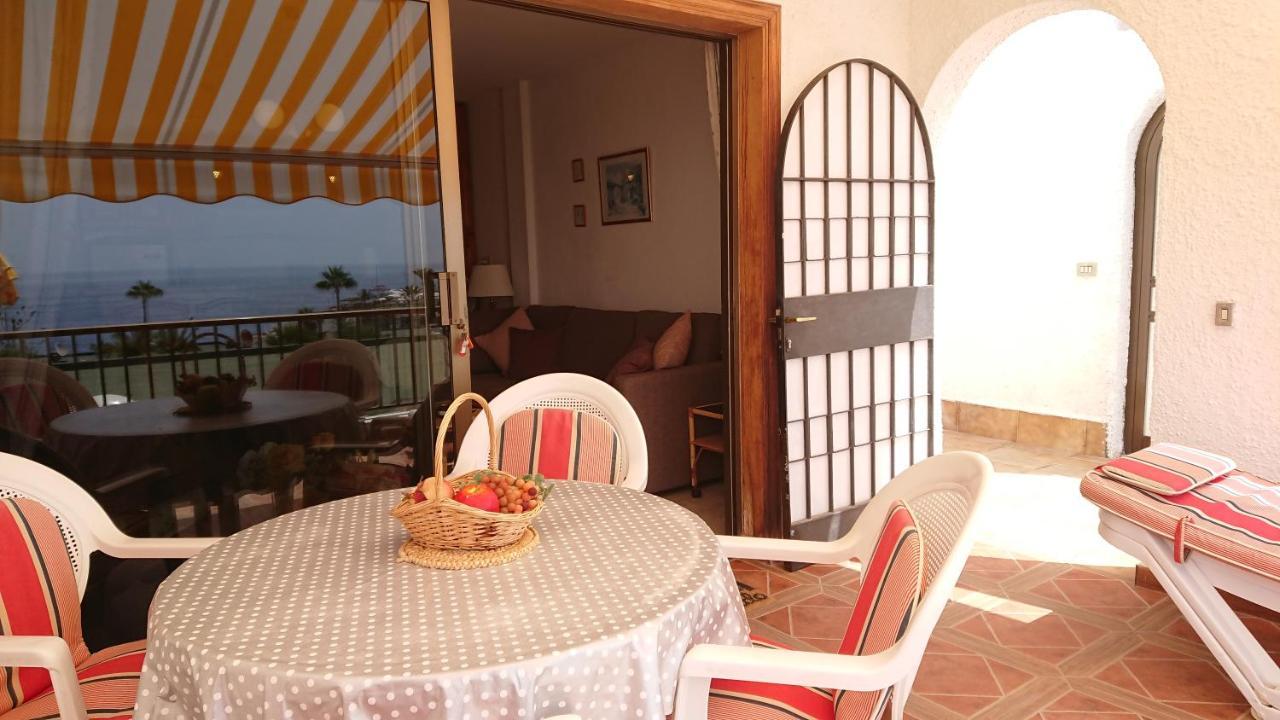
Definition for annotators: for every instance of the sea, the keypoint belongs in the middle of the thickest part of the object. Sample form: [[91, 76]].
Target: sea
[[77, 299]]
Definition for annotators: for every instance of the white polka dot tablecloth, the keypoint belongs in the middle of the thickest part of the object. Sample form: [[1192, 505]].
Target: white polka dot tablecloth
[[309, 617]]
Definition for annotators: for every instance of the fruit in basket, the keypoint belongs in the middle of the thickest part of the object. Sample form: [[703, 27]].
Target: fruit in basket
[[479, 496], [436, 488]]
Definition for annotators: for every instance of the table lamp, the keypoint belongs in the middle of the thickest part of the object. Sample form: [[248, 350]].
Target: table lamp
[[491, 281]]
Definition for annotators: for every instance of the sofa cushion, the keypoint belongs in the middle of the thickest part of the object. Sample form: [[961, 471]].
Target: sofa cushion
[[550, 317], [533, 352], [489, 385], [594, 340], [650, 324], [497, 342], [706, 345], [672, 349], [638, 359]]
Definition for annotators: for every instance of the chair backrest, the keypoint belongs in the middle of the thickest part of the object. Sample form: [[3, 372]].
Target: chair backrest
[[33, 393], [569, 391], [944, 493], [358, 360], [80, 518]]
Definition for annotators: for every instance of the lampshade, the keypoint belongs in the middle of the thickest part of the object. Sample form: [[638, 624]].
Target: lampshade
[[489, 281]]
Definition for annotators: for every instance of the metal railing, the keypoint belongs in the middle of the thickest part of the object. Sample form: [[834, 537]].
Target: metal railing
[[145, 360]]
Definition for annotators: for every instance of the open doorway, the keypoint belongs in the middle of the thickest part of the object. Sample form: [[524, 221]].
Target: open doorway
[[1035, 251], [594, 212]]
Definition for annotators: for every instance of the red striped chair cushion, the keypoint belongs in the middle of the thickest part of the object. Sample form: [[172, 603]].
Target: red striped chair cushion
[[891, 584], [38, 594], [325, 375], [108, 682], [560, 444], [30, 407], [745, 700]]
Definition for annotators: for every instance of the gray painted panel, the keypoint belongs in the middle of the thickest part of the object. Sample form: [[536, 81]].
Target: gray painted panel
[[848, 321]]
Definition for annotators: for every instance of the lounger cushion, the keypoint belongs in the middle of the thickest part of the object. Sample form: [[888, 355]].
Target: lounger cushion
[[1167, 469], [325, 375], [1235, 518], [38, 593]]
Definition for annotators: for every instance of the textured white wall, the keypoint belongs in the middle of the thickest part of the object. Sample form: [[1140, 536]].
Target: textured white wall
[[1035, 174], [1214, 387]]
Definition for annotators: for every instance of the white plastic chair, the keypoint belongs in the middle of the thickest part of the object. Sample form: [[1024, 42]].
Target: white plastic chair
[[569, 391], [943, 493], [338, 351], [85, 528]]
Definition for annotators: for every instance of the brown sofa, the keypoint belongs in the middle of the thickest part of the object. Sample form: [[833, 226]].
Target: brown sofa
[[592, 341]]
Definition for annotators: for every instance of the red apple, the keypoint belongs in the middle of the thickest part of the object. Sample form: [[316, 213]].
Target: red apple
[[478, 496], [418, 496]]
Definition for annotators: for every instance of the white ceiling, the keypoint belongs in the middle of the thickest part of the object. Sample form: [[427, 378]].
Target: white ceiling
[[494, 45]]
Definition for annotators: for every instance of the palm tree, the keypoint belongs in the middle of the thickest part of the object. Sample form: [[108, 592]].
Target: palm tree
[[337, 279], [143, 290]]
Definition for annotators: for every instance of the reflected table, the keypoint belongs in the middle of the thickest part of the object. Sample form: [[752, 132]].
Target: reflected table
[[325, 623], [200, 451]]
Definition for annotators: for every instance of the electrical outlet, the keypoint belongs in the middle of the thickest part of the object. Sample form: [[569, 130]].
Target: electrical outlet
[[1224, 313], [1087, 269]]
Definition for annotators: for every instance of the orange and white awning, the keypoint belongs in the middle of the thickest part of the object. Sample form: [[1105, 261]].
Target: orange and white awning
[[210, 99]]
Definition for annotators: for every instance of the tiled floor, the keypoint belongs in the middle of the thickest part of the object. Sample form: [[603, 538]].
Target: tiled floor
[[1046, 623]]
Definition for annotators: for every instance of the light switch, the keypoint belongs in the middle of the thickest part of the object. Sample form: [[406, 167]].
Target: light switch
[[1224, 313], [1087, 269]]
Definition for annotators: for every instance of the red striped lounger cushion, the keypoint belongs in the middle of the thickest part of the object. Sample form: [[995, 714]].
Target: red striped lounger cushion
[[38, 594], [326, 375], [560, 444], [891, 584], [108, 682], [1167, 469], [1235, 518]]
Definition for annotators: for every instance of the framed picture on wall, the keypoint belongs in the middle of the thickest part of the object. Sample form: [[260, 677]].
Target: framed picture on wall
[[624, 188], [579, 170], [579, 215]]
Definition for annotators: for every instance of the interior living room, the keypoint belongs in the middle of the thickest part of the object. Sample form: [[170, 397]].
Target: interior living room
[[549, 107], [309, 311]]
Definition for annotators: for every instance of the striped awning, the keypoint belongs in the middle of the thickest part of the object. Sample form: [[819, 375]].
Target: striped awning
[[210, 99]]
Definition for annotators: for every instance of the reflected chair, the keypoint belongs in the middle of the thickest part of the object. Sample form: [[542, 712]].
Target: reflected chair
[[34, 393], [557, 412], [50, 523], [911, 541], [334, 365]]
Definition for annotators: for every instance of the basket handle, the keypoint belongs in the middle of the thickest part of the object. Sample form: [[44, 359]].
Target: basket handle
[[448, 419]]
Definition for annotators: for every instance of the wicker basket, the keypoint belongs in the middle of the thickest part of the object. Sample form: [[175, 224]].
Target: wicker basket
[[440, 527]]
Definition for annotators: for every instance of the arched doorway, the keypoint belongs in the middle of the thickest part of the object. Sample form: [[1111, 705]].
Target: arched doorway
[[1035, 216], [1142, 314]]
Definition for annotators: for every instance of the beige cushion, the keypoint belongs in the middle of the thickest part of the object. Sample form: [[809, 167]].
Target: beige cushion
[[672, 348], [497, 342]]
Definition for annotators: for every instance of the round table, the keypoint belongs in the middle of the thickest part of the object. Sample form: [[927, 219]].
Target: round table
[[310, 617], [200, 451]]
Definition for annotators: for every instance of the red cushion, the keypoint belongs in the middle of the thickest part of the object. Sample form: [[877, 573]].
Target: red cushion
[[891, 580], [560, 444], [30, 407], [38, 593], [744, 700], [325, 375], [108, 682]]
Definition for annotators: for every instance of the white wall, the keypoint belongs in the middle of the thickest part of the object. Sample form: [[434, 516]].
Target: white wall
[[1035, 174], [1214, 387], [651, 93]]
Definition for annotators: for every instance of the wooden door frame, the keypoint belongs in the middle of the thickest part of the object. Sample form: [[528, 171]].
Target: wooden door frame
[[1141, 315], [751, 30]]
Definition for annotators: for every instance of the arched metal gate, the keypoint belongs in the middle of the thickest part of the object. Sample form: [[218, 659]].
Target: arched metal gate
[[856, 283]]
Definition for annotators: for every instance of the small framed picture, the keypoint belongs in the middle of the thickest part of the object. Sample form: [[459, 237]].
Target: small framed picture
[[579, 170], [579, 215], [624, 188]]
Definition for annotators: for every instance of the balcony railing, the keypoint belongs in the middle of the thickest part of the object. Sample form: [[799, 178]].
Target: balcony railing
[[144, 360]]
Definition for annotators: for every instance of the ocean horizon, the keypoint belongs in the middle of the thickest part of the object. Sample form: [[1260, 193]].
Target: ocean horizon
[[77, 299]]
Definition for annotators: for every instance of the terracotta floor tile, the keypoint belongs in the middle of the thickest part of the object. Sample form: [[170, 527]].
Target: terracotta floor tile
[[956, 675], [1009, 678], [1118, 674], [1182, 680], [778, 620], [1214, 711], [1079, 702], [1102, 593], [1046, 631], [966, 705], [809, 621]]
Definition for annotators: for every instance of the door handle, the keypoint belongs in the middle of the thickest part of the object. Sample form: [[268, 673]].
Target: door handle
[[801, 319]]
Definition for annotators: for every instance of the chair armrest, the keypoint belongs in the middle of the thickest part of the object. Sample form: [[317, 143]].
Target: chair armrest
[[801, 551], [122, 546], [52, 654], [704, 663]]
